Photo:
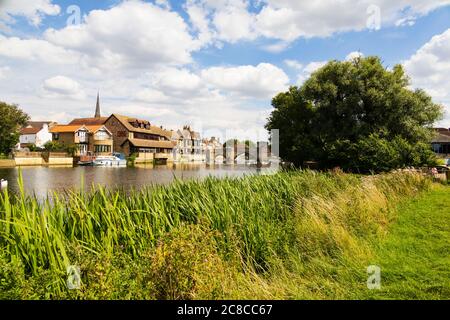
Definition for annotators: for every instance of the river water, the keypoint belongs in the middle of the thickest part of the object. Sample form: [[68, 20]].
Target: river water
[[42, 180]]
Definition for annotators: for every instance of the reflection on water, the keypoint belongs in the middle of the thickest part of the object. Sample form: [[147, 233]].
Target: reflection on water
[[41, 180]]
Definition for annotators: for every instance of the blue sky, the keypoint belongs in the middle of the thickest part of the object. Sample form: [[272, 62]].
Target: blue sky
[[214, 64]]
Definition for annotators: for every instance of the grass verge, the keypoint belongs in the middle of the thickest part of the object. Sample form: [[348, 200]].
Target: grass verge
[[292, 235]]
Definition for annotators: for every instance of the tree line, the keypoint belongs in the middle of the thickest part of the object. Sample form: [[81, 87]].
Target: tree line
[[357, 115]]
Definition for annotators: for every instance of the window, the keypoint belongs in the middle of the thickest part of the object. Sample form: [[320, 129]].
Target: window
[[102, 149], [146, 136], [83, 148], [56, 136], [82, 137]]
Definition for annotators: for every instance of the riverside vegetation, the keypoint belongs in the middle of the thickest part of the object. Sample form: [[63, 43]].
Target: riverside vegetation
[[291, 235]]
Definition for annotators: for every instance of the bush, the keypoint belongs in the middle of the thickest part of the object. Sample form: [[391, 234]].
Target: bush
[[55, 146], [377, 153]]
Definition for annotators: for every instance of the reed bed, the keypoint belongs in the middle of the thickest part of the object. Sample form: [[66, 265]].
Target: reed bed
[[264, 236]]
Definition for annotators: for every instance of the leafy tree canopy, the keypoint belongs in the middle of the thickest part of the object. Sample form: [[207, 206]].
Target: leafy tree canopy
[[355, 114], [11, 120]]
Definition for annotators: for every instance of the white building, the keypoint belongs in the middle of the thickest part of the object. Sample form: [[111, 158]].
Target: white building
[[213, 150], [189, 146], [35, 133]]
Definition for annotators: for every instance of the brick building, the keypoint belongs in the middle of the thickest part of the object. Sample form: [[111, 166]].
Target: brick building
[[133, 135], [94, 139]]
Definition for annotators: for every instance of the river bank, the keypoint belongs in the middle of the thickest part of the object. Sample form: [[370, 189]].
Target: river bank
[[41, 180], [294, 235]]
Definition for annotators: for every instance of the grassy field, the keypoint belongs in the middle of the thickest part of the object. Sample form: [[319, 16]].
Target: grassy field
[[415, 256], [292, 235]]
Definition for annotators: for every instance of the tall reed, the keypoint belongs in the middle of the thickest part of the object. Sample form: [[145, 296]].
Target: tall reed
[[255, 221]]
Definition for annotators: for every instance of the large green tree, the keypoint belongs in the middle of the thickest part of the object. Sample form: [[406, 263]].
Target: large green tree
[[11, 120], [348, 110]]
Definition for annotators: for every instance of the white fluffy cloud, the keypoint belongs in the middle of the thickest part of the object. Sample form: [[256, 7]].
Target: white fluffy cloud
[[288, 20], [306, 71], [429, 68], [178, 81], [141, 57], [131, 34], [234, 23], [261, 81], [294, 64], [33, 11], [62, 87], [35, 50], [354, 55], [151, 95], [291, 19], [4, 71]]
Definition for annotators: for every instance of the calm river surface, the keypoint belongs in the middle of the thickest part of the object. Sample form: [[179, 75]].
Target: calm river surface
[[41, 180]]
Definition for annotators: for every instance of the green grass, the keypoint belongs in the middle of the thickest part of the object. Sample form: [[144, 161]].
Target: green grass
[[292, 235], [415, 256]]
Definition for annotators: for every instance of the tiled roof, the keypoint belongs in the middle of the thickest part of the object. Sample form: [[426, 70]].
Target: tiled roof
[[188, 134], [439, 138], [75, 128], [65, 128], [34, 127], [32, 130], [95, 128], [39, 124], [88, 121], [153, 129], [143, 143]]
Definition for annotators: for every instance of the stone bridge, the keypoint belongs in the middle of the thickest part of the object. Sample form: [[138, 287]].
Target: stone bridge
[[239, 153]]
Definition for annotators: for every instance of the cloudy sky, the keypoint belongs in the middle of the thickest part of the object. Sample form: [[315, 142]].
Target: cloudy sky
[[214, 64]]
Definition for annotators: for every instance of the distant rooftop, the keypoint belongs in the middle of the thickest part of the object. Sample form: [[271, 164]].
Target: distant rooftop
[[33, 127], [88, 121], [142, 126]]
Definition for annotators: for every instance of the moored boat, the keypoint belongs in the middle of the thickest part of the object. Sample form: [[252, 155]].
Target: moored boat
[[86, 163], [116, 160], [86, 160]]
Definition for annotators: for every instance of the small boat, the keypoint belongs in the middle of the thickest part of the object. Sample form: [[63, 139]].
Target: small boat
[[3, 184], [116, 160], [86, 160], [86, 163]]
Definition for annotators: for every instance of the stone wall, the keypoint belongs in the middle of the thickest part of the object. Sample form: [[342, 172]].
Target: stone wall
[[144, 157], [60, 161], [29, 161], [5, 163]]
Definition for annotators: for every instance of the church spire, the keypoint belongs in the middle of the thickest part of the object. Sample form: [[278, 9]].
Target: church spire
[[97, 107]]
